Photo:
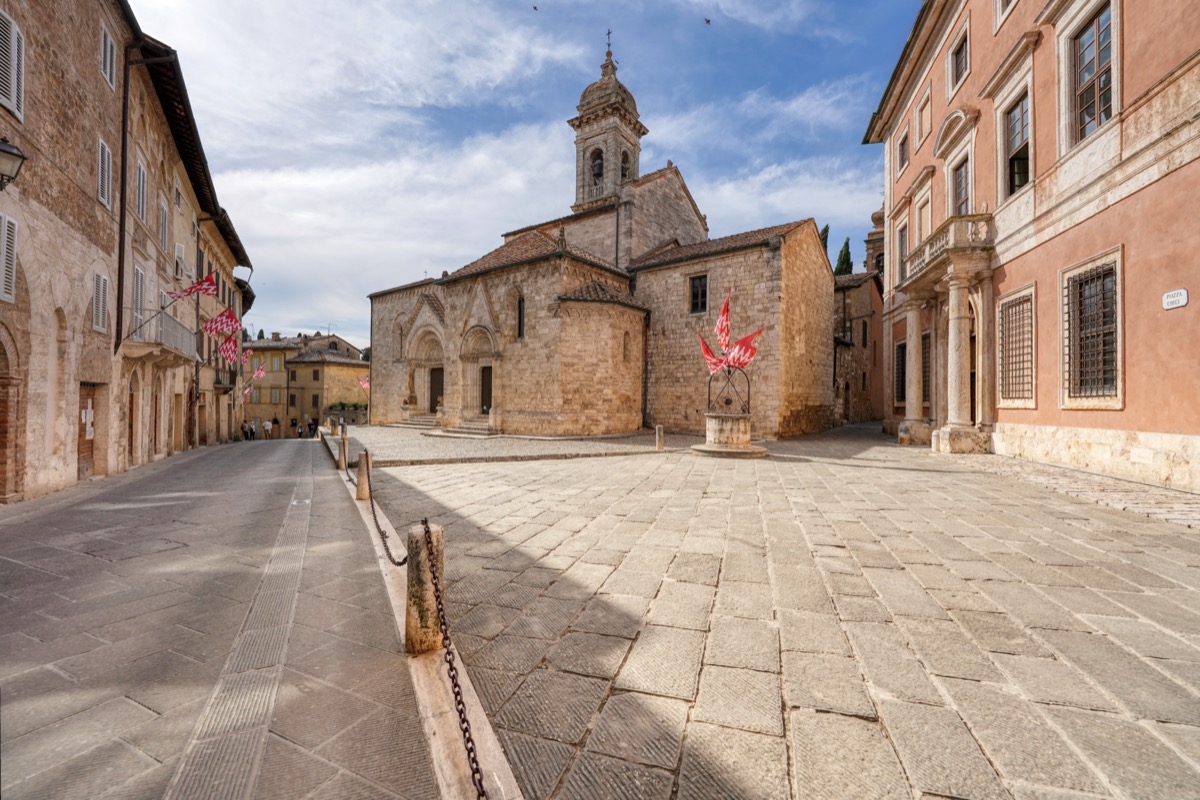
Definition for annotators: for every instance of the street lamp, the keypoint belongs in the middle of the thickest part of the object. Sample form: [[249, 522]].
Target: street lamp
[[11, 159]]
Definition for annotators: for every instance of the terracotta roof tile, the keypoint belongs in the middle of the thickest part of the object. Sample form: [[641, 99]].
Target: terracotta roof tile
[[326, 356], [714, 246], [597, 292], [853, 279], [526, 247]]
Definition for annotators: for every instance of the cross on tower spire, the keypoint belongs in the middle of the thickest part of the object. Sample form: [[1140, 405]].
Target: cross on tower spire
[[609, 38]]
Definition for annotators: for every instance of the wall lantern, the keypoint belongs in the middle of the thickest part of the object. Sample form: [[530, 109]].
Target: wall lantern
[[11, 159]]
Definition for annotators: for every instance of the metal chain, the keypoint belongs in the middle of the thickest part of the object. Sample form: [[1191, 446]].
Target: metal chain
[[383, 537], [463, 724]]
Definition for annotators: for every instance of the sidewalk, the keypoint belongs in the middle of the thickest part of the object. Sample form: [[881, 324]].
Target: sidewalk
[[202, 627]]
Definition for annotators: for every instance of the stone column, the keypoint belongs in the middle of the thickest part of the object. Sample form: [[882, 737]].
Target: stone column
[[985, 364], [913, 411], [958, 372]]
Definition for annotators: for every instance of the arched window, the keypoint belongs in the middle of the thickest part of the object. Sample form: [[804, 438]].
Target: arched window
[[625, 346], [520, 317], [597, 167], [624, 166]]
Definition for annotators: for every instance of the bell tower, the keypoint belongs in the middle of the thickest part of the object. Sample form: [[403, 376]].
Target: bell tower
[[608, 137]]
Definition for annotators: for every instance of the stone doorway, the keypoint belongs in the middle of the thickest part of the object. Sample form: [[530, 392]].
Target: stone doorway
[[485, 390], [132, 415], [437, 388], [85, 453]]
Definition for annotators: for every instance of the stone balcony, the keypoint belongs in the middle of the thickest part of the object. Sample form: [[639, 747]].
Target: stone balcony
[[159, 338], [971, 235]]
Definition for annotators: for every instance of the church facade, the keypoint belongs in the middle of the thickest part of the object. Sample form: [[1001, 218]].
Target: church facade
[[588, 324]]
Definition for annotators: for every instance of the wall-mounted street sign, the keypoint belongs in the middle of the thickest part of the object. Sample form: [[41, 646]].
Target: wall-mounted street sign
[[1176, 298]]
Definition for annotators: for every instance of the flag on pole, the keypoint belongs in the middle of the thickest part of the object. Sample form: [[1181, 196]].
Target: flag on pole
[[259, 372], [228, 348], [365, 384], [225, 322], [246, 354], [743, 352], [206, 285], [722, 329], [714, 363], [248, 390]]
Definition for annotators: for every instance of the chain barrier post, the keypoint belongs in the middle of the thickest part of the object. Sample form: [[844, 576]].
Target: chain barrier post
[[341, 454], [658, 438], [422, 631], [364, 476]]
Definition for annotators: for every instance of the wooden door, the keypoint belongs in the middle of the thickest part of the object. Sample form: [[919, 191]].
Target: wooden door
[[87, 431], [485, 390], [437, 381]]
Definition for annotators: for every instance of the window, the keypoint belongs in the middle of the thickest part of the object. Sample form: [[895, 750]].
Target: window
[[1016, 147], [12, 66], [108, 57], [962, 187], [520, 317], [597, 168], [925, 368], [902, 154], [924, 220], [1015, 349], [195, 227], [960, 62], [879, 261], [1091, 345], [901, 372], [8, 259], [162, 226], [316, 399], [316, 374], [1092, 62], [254, 361], [333, 346], [275, 363], [274, 395], [104, 171], [178, 193], [163, 299], [923, 117], [293, 374], [137, 316], [256, 396], [291, 401], [864, 333], [99, 302], [699, 285], [140, 196], [902, 242]]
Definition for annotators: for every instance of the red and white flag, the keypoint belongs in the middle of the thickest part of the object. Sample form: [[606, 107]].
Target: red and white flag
[[743, 352], [228, 348], [248, 390], [225, 322], [259, 372], [722, 329], [714, 363], [246, 354], [365, 384], [206, 285]]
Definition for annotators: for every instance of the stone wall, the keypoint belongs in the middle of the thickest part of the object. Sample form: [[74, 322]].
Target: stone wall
[[662, 211], [859, 389], [805, 306], [602, 356]]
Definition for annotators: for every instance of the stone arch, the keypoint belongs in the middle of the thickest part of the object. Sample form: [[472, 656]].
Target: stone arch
[[957, 122], [426, 369], [477, 361], [596, 166], [625, 165], [11, 414], [156, 416], [56, 384], [133, 426]]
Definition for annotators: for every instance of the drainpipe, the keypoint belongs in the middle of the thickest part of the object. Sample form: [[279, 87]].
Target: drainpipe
[[129, 63]]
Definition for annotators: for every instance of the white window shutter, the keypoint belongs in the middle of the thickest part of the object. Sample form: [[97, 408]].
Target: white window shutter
[[105, 170], [99, 302], [8, 287], [141, 189], [12, 66], [162, 225]]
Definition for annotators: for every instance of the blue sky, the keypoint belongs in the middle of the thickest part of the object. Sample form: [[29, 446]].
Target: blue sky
[[363, 145]]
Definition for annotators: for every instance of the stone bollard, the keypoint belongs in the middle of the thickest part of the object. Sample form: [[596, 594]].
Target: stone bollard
[[343, 433], [364, 482], [422, 626], [658, 438], [342, 454]]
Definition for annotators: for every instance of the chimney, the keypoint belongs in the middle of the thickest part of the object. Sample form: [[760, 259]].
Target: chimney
[[274, 336]]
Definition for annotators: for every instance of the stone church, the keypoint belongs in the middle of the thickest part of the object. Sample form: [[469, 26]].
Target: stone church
[[588, 324]]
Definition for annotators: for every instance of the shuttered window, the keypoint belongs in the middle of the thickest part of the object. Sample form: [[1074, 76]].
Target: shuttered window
[[162, 226], [104, 159], [141, 190], [8, 259], [139, 297], [12, 66], [108, 57], [99, 302]]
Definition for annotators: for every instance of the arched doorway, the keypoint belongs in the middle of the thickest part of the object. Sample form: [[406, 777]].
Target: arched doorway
[[428, 365], [132, 419], [476, 358], [156, 415], [10, 478]]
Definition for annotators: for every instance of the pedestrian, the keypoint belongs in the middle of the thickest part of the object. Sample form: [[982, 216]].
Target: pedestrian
[[245, 431], [267, 429], [275, 423], [312, 429], [300, 430], [253, 431]]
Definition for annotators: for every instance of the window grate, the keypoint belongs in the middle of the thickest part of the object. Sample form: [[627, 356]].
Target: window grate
[[925, 367], [1016, 349], [1090, 319], [901, 372]]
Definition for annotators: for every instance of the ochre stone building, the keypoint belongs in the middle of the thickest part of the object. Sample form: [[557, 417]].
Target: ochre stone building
[[588, 324], [1042, 164], [294, 371], [109, 213], [858, 326]]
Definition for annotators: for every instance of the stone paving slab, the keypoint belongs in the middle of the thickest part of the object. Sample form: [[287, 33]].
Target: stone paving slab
[[937, 624]]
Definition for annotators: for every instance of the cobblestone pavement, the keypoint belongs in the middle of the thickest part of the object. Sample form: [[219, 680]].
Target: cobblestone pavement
[[843, 619], [210, 626]]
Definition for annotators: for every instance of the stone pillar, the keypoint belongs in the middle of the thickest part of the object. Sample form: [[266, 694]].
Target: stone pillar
[[913, 404], [341, 454], [364, 483], [958, 372], [658, 438], [422, 626], [985, 363]]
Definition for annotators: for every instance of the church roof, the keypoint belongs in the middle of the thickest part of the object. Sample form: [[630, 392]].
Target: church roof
[[527, 248], [401, 287], [320, 356], [738, 241], [609, 206], [598, 292]]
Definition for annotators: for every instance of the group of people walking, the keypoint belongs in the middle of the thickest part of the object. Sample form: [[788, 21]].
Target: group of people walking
[[250, 429]]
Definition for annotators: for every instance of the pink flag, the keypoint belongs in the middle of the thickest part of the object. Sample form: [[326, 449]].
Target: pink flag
[[722, 329], [225, 322], [260, 371], [714, 364], [228, 348], [246, 354], [743, 352], [248, 390], [206, 285], [365, 384]]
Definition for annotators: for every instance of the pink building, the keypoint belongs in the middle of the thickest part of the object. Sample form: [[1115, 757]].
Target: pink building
[[1041, 241]]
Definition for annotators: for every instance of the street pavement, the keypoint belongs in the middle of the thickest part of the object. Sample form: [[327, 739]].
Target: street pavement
[[843, 619], [214, 625]]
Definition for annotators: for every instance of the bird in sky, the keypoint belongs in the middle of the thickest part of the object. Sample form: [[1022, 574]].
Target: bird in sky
[[535, 8], [707, 21]]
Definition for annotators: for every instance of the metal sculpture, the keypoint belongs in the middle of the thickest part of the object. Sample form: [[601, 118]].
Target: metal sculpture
[[728, 369]]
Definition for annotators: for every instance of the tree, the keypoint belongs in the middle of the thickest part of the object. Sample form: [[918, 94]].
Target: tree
[[844, 265], [366, 354], [261, 335], [825, 240]]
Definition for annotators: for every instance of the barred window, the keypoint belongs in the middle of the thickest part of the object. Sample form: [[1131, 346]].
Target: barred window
[[1090, 332], [900, 371], [1016, 348], [925, 367]]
